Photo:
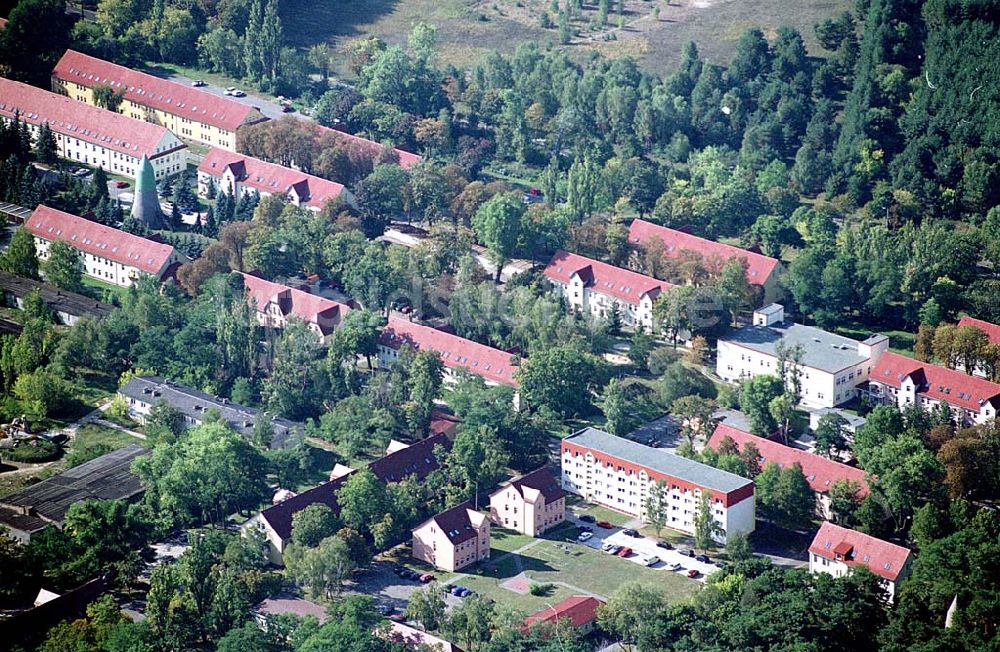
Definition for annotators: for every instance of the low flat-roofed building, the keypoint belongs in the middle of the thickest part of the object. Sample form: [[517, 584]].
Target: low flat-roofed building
[[831, 366], [91, 135], [837, 550], [68, 306], [455, 538], [239, 175], [141, 393], [34, 508], [189, 112], [108, 254], [531, 504], [619, 473]]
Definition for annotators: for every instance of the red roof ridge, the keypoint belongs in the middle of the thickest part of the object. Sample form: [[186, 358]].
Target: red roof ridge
[[270, 178], [605, 278], [855, 548], [79, 120], [819, 471], [541, 479], [992, 330], [149, 90], [456, 352], [759, 266], [304, 305], [579, 609], [99, 240]]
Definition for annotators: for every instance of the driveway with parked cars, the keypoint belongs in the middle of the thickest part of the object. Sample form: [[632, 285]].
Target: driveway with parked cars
[[644, 549], [391, 589]]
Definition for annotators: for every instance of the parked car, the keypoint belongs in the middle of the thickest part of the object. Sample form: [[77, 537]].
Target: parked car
[[693, 573], [427, 577], [721, 564], [583, 536], [397, 569], [412, 574], [82, 172], [587, 518], [704, 559], [287, 108], [198, 83], [121, 184], [605, 525], [611, 549], [631, 533], [653, 561], [465, 593], [229, 91], [397, 617], [585, 528], [686, 552], [675, 567], [448, 587], [624, 552], [384, 609], [239, 93], [665, 545]]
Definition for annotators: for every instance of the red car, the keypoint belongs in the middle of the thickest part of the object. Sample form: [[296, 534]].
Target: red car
[[426, 577], [121, 184], [693, 573], [625, 552], [605, 525]]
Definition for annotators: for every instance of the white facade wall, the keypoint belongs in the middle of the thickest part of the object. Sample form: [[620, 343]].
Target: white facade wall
[[589, 300], [228, 183], [820, 564], [626, 492], [98, 267], [907, 395]]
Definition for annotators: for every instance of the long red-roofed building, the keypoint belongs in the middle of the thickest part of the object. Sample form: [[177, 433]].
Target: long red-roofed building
[[761, 270], [579, 612], [276, 304], [992, 332], [598, 288], [371, 148], [93, 136], [904, 381], [836, 550], [821, 473], [492, 365], [108, 255], [239, 174], [189, 112]]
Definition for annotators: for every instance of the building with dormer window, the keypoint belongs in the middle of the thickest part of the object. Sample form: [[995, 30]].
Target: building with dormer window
[[837, 551], [600, 289], [455, 538], [275, 304], [530, 504]]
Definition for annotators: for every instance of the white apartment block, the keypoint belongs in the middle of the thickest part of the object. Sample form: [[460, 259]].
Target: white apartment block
[[837, 551], [831, 366], [619, 473], [598, 289]]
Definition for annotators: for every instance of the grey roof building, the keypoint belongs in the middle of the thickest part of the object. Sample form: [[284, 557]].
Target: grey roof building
[[108, 477], [659, 460], [146, 205], [821, 349], [142, 392], [68, 306]]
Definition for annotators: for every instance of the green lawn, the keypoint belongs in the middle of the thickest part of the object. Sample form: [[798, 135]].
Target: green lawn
[[92, 434], [602, 513], [503, 541], [101, 287]]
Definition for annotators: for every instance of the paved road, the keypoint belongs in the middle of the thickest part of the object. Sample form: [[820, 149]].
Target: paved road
[[269, 108]]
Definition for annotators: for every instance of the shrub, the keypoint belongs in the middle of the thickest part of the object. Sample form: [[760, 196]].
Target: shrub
[[33, 450], [538, 590]]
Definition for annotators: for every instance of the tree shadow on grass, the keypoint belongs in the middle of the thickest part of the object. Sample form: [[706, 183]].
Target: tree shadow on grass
[[307, 22]]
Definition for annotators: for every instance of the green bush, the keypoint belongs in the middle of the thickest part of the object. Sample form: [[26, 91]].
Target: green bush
[[35, 450], [539, 590]]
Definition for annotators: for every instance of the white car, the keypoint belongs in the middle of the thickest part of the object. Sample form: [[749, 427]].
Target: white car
[[238, 93], [584, 536], [653, 561], [675, 567]]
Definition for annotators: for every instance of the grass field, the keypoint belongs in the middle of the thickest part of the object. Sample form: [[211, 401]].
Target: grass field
[[468, 29], [92, 434], [503, 541]]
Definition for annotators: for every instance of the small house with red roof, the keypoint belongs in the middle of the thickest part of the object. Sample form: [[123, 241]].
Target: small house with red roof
[[821, 473], [577, 611], [761, 270], [92, 135], [189, 112], [992, 332], [599, 289], [838, 550], [492, 365], [275, 304], [238, 175], [455, 538], [107, 254], [530, 504], [904, 381]]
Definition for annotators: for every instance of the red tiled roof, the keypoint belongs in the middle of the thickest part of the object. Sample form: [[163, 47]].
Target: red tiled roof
[[856, 549], [406, 159], [443, 423], [3, 23], [992, 330], [541, 480], [938, 383], [759, 266], [99, 240], [148, 90], [457, 352], [579, 609], [417, 460], [601, 277], [456, 523], [310, 308], [79, 120], [270, 178], [820, 472]]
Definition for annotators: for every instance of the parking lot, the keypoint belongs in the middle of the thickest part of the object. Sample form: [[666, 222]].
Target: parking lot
[[390, 590], [644, 548]]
